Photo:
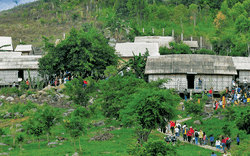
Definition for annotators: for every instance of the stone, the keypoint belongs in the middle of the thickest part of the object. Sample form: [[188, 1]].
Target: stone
[[2, 97], [70, 110], [30, 98], [2, 144], [4, 153], [8, 115], [14, 95], [52, 143], [100, 123], [23, 96], [56, 97], [29, 141], [61, 138], [17, 114], [197, 122], [67, 97], [102, 137], [59, 90], [18, 125], [34, 96], [179, 116], [62, 95], [66, 114], [20, 130], [1, 104], [33, 109], [9, 98], [75, 154], [49, 96], [10, 148]]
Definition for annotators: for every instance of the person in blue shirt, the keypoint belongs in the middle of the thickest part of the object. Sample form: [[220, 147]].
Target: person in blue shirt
[[238, 90], [213, 154], [238, 140], [212, 140]]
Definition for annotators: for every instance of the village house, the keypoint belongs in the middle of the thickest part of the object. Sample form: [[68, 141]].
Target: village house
[[14, 67], [25, 49], [242, 65], [184, 70], [125, 50], [6, 41], [161, 40]]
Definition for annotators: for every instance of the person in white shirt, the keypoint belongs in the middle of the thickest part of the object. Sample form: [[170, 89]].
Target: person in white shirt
[[245, 82], [217, 143], [177, 131]]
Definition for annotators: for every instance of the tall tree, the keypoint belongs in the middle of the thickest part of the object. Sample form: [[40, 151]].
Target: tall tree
[[84, 53], [138, 9], [193, 9], [180, 15]]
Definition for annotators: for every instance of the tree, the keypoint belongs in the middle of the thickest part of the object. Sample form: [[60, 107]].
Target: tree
[[159, 147], [35, 128], [193, 107], [110, 71], [82, 53], [148, 108], [175, 48], [180, 15], [137, 65], [76, 92], [48, 118], [20, 140], [220, 20], [237, 10], [2, 132], [242, 24], [193, 9], [138, 8], [74, 127], [243, 122]]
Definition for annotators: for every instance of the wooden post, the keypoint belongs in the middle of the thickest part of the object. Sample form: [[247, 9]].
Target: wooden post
[[173, 33], [153, 30], [191, 38], [200, 42], [163, 32], [181, 36], [143, 30]]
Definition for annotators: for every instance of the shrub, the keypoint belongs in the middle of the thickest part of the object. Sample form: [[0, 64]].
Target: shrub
[[175, 48], [160, 147], [81, 112], [29, 92], [9, 91]]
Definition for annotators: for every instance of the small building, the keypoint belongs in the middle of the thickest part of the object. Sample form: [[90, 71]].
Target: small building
[[14, 66], [192, 44], [242, 65], [6, 41], [161, 40], [25, 49], [184, 70], [125, 50]]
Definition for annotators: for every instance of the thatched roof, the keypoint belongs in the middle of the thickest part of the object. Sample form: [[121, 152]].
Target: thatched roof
[[6, 41], [241, 63], [126, 49], [191, 44], [161, 40], [190, 63]]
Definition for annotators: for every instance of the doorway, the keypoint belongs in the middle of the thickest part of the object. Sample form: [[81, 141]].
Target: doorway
[[20, 75], [190, 81]]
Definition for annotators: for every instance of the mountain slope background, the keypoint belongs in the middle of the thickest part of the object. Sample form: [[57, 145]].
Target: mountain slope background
[[224, 25]]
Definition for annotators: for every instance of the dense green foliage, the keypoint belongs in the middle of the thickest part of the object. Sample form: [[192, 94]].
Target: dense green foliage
[[82, 53], [193, 107], [243, 122], [175, 48]]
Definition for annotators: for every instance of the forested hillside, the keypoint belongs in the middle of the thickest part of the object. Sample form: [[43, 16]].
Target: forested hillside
[[225, 25]]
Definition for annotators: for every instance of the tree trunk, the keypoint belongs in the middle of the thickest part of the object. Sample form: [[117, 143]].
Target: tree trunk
[[80, 144], [181, 25], [48, 137], [75, 144], [14, 140], [38, 144]]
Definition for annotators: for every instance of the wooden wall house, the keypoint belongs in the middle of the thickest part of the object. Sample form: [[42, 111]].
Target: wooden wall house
[[161, 40], [25, 49], [242, 65], [184, 70]]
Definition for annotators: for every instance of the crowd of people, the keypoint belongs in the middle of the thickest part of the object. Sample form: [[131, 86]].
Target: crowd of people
[[196, 137]]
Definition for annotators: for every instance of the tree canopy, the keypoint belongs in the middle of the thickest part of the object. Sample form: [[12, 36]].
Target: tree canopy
[[83, 53]]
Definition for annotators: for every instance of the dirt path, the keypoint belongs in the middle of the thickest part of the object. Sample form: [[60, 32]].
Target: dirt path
[[181, 138]]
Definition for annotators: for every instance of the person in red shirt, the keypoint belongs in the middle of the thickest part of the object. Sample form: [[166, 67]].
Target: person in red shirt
[[192, 130], [189, 135], [227, 144], [223, 143], [172, 124]]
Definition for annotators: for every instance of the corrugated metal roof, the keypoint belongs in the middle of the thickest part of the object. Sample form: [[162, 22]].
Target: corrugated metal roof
[[241, 63], [126, 49], [23, 48], [190, 63], [22, 62], [6, 41], [161, 40], [191, 44]]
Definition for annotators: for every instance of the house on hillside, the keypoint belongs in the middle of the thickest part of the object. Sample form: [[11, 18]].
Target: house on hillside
[[192, 44], [184, 70], [14, 67], [125, 49], [6, 41], [25, 49], [161, 40], [242, 65]]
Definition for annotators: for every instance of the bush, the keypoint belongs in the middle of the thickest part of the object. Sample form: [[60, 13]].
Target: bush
[[160, 147], [9, 91], [81, 112], [24, 86], [175, 48]]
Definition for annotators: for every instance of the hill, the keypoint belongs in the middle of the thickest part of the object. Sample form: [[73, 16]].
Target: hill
[[225, 25]]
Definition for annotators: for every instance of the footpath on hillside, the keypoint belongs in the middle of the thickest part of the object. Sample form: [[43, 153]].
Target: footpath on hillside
[[181, 138]]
